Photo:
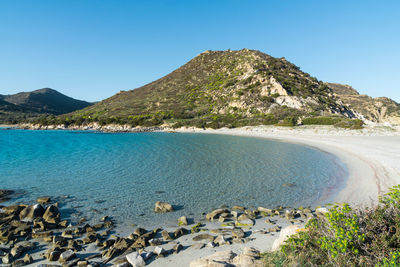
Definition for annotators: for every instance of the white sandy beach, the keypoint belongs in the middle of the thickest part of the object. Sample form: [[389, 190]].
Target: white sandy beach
[[372, 156]]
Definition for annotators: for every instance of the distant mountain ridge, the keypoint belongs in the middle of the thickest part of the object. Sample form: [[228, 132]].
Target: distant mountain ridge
[[25, 105]]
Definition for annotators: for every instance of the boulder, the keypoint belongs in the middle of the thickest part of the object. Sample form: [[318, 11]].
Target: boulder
[[177, 248], [238, 233], [163, 207], [285, 234], [43, 200], [52, 214], [28, 259], [165, 235], [220, 240], [249, 257], [201, 237], [182, 221], [135, 259], [215, 214], [180, 232], [31, 212], [159, 251], [67, 255]]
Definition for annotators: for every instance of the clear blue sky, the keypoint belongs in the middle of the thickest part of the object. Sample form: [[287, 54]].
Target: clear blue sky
[[92, 49]]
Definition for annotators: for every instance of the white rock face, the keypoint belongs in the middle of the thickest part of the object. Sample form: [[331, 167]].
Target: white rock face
[[321, 211], [135, 259], [284, 235]]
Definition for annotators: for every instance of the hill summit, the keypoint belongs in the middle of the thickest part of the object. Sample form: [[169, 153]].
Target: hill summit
[[220, 88]]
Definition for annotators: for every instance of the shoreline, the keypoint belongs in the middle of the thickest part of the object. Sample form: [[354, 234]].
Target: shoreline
[[371, 171], [370, 156]]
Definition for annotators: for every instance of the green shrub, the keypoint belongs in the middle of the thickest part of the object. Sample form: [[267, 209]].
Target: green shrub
[[321, 120], [347, 237]]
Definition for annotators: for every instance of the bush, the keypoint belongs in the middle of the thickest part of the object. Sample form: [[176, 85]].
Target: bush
[[321, 120], [347, 237]]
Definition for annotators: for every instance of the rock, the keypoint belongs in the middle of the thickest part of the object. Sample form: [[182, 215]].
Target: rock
[[215, 214], [177, 248], [237, 233], [180, 232], [82, 263], [28, 259], [67, 255], [249, 257], [53, 254], [220, 240], [163, 207], [182, 221], [240, 208], [139, 231], [285, 234], [289, 214], [52, 214], [43, 200], [31, 212], [146, 255], [7, 259], [265, 210], [155, 242], [105, 218], [166, 236], [201, 237], [159, 251], [320, 212], [70, 263], [244, 220], [135, 259], [274, 229], [218, 259], [13, 209]]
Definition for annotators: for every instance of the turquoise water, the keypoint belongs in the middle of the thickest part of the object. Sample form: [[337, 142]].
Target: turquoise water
[[124, 174]]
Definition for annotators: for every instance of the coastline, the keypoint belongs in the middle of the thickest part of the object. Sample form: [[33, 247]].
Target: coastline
[[370, 155]]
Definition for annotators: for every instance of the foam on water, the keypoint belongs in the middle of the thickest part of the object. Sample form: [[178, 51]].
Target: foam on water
[[123, 175]]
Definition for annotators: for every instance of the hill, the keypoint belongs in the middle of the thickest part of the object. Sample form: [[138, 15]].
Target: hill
[[219, 88], [380, 109], [26, 105]]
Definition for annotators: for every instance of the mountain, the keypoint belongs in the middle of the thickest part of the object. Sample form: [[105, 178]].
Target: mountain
[[27, 105], [380, 109], [220, 88]]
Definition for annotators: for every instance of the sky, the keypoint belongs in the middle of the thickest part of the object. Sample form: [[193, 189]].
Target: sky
[[92, 49]]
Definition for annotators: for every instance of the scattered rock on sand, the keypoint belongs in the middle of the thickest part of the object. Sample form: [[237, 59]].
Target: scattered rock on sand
[[31, 212], [52, 214], [135, 259], [163, 207], [182, 221]]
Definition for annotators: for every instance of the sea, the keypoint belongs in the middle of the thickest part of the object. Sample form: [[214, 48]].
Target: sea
[[93, 174]]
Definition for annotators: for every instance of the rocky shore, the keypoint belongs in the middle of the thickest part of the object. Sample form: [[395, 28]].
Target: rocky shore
[[115, 128], [38, 234]]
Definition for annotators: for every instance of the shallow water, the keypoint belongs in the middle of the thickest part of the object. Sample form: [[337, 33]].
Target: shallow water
[[124, 174]]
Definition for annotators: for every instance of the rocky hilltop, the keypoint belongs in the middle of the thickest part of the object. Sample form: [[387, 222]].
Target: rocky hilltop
[[46, 101], [380, 109], [220, 88]]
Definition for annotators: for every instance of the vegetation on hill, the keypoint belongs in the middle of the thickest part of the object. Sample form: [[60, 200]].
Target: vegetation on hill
[[218, 89], [27, 105], [380, 109], [346, 237]]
